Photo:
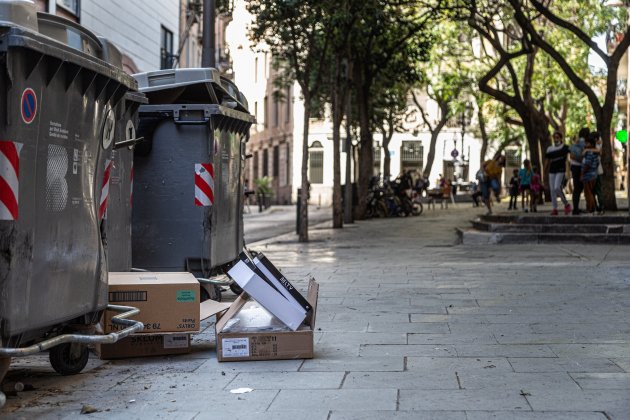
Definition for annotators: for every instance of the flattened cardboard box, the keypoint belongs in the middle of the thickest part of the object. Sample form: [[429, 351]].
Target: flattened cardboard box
[[168, 302], [145, 345], [242, 346]]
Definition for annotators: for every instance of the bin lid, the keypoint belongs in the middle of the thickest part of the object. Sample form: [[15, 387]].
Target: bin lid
[[18, 13], [189, 86], [23, 14]]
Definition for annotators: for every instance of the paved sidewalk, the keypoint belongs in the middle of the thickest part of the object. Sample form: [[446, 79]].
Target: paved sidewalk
[[409, 327]]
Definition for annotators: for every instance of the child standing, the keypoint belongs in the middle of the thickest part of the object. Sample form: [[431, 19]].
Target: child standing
[[514, 184], [535, 189]]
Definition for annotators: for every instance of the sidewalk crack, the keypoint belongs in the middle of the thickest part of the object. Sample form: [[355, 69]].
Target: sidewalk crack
[[272, 400]]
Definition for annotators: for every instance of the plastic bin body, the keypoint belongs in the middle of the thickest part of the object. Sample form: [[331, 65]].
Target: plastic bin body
[[119, 206], [170, 231], [57, 103]]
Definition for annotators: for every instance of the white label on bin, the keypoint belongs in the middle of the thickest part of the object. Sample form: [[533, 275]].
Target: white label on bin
[[109, 125], [235, 347], [176, 341]]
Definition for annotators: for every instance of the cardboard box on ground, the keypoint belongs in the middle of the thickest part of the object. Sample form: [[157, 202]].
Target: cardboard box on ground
[[169, 308], [145, 345], [248, 332]]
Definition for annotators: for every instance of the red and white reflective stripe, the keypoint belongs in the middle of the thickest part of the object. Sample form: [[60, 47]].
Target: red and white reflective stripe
[[131, 186], [204, 184], [102, 208], [9, 179]]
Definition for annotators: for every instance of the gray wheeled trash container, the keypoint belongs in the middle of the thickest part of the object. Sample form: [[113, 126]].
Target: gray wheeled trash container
[[60, 89], [188, 172]]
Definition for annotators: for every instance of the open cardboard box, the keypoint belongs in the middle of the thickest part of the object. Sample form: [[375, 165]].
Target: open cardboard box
[[267, 345]]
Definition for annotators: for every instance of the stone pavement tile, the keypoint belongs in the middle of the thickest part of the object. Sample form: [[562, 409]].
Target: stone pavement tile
[[338, 399], [56, 412], [470, 338], [401, 380], [161, 364], [503, 350], [293, 380], [591, 350], [622, 362], [213, 365], [534, 415], [210, 380], [457, 364], [603, 380], [462, 399], [361, 364], [618, 414], [371, 302], [409, 327], [100, 378], [363, 338], [147, 402], [336, 350], [563, 364], [369, 309], [341, 326], [450, 319], [407, 350], [350, 315], [490, 378], [399, 415], [323, 300], [561, 337], [587, 400], [211, 414]]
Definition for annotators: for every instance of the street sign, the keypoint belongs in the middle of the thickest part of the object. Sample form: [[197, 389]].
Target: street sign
[[454, 153]]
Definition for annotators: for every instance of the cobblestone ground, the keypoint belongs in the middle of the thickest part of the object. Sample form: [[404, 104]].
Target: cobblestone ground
[[409, 326]]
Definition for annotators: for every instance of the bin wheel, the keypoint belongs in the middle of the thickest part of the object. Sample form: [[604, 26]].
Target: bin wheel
[[417, 208], [3, 400], [69, 358], [213, 293], [236, 289]]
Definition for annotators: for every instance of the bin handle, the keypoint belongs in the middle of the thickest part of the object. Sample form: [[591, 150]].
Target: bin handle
[[128, 142], [120, 319], [204, 121]]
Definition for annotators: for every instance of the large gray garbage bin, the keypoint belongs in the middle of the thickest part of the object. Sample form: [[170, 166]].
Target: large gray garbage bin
[[188, 172], [60, 87]]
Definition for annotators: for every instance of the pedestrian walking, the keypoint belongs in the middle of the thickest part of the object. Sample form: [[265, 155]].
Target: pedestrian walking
[[514, 184], [525, 179], [491, 175], [599, 194], [536, 188], [556, 163], [590, 162], [576, 152]]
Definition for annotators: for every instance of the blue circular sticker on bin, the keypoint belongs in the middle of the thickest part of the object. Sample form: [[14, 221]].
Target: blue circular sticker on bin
[[28, 107]]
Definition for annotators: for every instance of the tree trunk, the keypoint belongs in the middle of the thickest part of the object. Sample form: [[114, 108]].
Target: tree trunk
[[337, 105], [608, 180], [347, 211], [366, 149], [303, 235], [431, 155], [387, 161]]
